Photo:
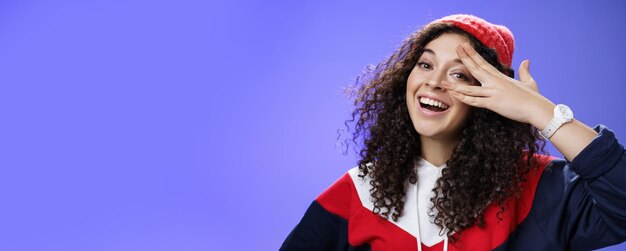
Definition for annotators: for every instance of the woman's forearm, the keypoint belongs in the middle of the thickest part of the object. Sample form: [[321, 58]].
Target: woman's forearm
[[571, 138]]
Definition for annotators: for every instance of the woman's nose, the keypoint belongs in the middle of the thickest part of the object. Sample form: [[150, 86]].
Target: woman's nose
[[434, 80], [435, 84]]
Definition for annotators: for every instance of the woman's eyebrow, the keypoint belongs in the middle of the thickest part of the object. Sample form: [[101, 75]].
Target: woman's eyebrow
[[429, 51], [456, 60]]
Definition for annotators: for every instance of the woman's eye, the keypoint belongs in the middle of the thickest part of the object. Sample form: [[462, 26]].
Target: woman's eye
[[459, 76], [424, 65]]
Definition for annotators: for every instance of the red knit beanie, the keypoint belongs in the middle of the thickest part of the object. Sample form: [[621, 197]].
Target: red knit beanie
[[491, 35]]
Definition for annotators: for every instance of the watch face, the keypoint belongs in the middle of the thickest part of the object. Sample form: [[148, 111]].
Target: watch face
[[565, 112]]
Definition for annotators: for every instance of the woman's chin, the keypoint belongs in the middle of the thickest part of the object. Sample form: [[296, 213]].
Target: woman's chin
[[428, 132], [435, 132]]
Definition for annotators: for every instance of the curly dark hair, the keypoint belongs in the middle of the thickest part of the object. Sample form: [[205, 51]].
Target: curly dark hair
[[488, 165]]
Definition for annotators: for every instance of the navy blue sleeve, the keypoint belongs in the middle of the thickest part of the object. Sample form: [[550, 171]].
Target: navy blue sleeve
[[320, 230], [581, 205]]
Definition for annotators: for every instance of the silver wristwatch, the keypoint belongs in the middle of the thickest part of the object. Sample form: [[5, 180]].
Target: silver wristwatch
[[562, 115]]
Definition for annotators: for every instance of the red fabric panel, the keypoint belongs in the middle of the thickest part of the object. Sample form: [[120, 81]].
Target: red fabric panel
[[338, 198], [341, 198], [496, 232]]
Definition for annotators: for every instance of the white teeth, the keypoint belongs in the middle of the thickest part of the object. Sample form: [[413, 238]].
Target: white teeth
[[429, 101]]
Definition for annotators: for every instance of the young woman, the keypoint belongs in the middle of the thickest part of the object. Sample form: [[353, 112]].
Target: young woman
[[451, 157]]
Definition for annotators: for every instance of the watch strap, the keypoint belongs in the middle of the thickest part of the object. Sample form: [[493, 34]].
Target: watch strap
[[556, 122]]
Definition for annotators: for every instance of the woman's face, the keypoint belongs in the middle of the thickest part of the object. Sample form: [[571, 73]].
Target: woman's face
[[434, 112]]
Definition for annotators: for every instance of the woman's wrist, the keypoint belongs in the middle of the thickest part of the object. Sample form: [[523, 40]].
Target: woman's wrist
[[543, 114]]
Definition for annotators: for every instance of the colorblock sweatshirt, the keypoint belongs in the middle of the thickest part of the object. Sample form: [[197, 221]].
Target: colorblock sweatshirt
[[577, 205]]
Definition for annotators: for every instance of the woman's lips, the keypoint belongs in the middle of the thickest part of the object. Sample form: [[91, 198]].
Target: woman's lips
[[430, 113], [433, 98]]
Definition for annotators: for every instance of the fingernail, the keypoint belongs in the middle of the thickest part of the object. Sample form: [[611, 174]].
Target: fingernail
[[461, 50]]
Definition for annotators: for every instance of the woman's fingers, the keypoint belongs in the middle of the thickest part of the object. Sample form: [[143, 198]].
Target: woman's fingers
[[470, 100], [474, 69], [524, 71], [525, 77], [477, 91], [474, 61]]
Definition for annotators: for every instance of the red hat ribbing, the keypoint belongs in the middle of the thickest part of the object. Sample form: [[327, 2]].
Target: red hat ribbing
[[491, 35]]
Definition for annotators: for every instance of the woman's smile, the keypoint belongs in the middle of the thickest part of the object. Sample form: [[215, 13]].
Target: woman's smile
[[435, 113], [431, 106]]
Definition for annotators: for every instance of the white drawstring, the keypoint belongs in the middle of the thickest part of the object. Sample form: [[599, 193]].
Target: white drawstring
[[419, 236], [417, 212]]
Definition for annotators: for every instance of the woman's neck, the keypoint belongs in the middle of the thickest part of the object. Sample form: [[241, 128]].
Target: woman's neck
[[437, 151]]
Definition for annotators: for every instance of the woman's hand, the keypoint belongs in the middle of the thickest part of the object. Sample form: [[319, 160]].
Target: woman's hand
[[518, 100]]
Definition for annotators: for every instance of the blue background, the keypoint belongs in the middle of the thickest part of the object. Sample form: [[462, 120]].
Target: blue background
[[195, 125]]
